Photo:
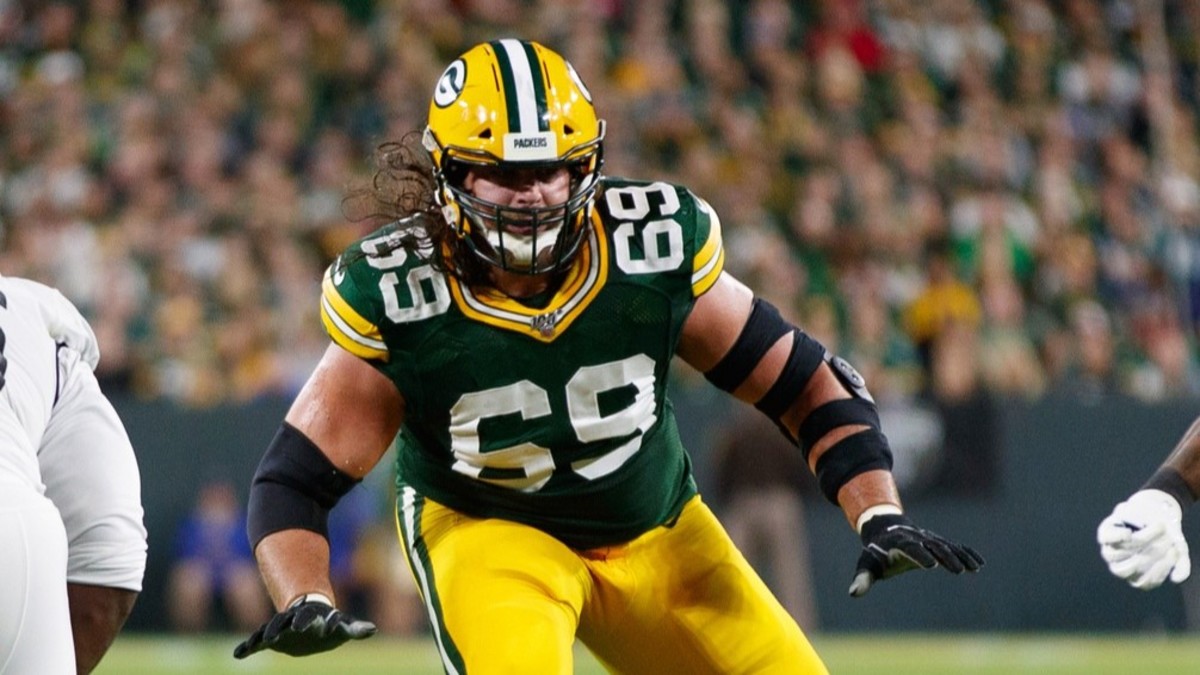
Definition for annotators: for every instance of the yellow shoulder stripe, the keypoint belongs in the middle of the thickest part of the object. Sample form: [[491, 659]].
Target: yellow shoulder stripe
[[701, 285], [347, 327], [710, 259]]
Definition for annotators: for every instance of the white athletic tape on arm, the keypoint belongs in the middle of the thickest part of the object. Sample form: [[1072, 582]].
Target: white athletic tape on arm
[[877, 510]]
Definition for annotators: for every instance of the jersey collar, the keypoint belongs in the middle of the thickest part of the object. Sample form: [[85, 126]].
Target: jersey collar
[[583, 282]]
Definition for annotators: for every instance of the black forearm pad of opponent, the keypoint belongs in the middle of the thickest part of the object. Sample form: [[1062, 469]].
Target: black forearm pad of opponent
[[294, 487], [1171, 482]]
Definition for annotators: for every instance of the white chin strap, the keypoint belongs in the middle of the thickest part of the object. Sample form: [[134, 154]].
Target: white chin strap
[[518, 248]]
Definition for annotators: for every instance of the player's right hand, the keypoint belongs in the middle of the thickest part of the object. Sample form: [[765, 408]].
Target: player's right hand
[[1142, 540], [308, 626]]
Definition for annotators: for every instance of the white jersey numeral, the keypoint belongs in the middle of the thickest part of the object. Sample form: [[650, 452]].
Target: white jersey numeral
[[384, 253], [661, 239], [534, 462], [422, 306], [527, 466]]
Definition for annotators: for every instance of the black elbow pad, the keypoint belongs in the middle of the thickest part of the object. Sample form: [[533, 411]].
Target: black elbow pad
[[294, 487]]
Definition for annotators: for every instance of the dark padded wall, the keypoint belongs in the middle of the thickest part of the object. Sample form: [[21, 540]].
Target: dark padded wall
[[1062, 465]]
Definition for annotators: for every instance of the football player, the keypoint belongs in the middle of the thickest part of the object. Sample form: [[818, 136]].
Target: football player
[[70, 494], [516, 327], [1142, 541]]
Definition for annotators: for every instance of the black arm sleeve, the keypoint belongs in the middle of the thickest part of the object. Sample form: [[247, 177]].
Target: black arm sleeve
[[294, 487]]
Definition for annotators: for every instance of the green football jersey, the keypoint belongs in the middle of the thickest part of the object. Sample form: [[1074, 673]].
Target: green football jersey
[[555, 416]]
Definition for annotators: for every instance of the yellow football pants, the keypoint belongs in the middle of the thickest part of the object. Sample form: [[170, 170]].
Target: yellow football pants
[[507, 598]]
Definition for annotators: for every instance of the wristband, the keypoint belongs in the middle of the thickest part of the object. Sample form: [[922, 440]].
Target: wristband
[[1171, 482], [877, 510], [311, 597]]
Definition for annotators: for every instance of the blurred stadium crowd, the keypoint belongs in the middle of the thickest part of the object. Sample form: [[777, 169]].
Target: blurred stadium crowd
[[954, 195]]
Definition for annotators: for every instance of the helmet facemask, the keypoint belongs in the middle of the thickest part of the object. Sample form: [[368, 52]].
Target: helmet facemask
[[523, 239]]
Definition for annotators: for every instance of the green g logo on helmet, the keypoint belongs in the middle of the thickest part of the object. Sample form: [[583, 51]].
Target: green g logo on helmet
[[450, 84]]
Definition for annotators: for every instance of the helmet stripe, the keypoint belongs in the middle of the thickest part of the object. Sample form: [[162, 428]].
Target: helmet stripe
[[524, 90], [508, 84], [539, 86]]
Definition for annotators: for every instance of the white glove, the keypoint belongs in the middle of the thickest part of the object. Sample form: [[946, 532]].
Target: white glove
[[1142, 540]]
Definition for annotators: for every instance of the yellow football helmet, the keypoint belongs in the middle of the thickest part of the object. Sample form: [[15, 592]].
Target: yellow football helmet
[[515, 104]]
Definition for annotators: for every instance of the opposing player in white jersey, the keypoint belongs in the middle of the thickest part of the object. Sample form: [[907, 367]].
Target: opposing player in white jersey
[[71, 532]]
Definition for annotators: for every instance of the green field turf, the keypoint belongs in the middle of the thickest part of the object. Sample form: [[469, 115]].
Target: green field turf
[[846, 655]]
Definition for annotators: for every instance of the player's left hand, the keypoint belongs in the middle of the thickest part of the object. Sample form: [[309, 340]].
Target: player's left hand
[[892, 544], [1142, 540], [308, 626]]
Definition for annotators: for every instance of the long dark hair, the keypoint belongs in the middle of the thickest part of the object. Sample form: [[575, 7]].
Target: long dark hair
[[402, 193]]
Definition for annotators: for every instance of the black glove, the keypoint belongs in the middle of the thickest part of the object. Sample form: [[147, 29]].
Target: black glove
[[892, 545], [308, 626]]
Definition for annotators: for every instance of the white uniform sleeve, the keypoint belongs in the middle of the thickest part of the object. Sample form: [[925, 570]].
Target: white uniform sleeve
[[63, 321], [91, 475]]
